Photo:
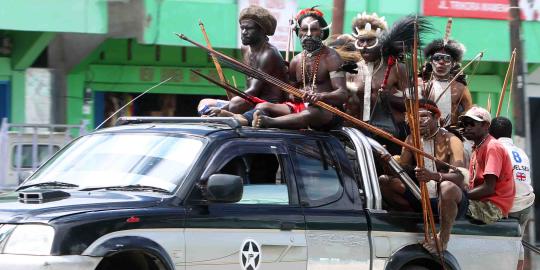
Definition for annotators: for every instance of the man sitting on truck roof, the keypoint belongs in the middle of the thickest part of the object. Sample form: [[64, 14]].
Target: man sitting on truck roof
[[256, 24], [451, 184], [317, 70]]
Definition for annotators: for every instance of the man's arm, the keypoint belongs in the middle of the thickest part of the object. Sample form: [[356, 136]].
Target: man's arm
[[339, 95], [456, 160], [396, 87], [466, 99], [406, 160], [292, 71], [485, 189]]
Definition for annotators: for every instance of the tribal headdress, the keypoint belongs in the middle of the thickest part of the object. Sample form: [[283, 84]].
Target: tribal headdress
[[431, 106], [261, 17], [400, 37], [318, 15], [394, 41], [344, 46], [369, 25]]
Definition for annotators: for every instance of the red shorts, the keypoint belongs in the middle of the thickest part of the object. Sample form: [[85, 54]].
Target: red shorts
[[295, 107]]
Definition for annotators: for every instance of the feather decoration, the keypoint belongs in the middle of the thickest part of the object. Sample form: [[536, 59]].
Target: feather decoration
[[400, 36], [448, 31]]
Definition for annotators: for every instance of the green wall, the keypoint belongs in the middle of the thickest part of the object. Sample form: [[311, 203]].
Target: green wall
[[124, 65], [220, 18], [17, 97], [89, 16]]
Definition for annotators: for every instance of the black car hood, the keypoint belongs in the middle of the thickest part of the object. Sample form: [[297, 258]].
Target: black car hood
[[14, 211]]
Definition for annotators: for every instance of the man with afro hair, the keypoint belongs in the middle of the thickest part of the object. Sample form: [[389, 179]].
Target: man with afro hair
[[256, 24], [452, 98]]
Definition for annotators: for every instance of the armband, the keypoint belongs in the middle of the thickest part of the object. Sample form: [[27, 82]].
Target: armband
[[337, 74]]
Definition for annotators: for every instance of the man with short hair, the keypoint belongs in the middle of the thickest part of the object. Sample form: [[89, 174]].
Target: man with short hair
[[316, 70], [491, 188], [451, 183], [501, 129], [256, 24]]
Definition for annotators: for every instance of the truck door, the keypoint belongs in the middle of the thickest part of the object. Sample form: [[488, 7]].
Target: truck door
[[265, 229], [336, 225]]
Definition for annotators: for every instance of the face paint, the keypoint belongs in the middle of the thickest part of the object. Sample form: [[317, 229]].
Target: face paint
[[310, 43], [310, 34], [442, 64], [309, 27], [366, 45], [369, 48]]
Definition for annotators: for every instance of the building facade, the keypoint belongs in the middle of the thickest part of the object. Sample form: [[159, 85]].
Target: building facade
[[101, 54]]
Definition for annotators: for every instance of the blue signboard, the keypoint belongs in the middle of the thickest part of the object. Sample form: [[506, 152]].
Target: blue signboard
[[4, 99]]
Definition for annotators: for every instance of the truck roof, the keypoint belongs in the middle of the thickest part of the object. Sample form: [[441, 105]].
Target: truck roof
[[202, 126]]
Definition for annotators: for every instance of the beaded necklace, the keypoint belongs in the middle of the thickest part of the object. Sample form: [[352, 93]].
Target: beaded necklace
[[314, 70]]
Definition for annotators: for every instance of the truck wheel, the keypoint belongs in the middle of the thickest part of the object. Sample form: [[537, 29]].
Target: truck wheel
[[414, 267], [130, 261]]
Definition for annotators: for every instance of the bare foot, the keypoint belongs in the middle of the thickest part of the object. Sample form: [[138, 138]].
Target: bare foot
[[431, 247], [258, 119], [217, 112]]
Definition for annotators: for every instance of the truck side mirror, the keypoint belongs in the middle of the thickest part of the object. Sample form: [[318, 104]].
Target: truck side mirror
[[224, 188]]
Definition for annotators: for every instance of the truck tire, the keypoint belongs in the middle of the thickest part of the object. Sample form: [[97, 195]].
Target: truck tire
[[414, 267]]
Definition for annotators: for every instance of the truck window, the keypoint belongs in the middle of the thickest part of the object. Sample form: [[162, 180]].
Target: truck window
[[316, 173], [262, 177]]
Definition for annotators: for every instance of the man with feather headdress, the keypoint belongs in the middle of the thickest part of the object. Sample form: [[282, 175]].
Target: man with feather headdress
[[377, 90]]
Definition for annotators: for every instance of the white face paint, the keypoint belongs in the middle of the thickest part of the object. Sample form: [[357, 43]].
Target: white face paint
[[368, 47], [309, 28]]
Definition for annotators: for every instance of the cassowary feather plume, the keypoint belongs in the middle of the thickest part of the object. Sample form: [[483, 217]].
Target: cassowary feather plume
[[400, 37]]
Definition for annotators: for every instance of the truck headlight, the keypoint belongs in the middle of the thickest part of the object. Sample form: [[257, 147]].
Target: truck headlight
[[30, 239]]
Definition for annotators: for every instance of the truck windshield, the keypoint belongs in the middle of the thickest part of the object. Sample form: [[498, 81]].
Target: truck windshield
[[113, 159]]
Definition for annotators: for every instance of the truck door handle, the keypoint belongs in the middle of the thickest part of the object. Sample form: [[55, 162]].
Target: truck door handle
[[286, 225]]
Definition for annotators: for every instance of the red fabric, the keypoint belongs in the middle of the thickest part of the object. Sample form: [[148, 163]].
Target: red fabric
[[296, 107], [309, 11], [256, 99], [391, 62], [492, 158]]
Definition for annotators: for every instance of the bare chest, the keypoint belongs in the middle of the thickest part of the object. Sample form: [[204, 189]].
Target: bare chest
[[312, 70]]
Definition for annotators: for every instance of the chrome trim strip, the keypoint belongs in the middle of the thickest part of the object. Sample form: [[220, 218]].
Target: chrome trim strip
[[355, 137]]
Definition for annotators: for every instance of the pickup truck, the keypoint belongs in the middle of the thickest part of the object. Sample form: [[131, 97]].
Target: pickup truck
[[205, 193]]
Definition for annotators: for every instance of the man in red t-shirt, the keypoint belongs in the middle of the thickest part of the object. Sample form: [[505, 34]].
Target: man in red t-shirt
[[491, 186]]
